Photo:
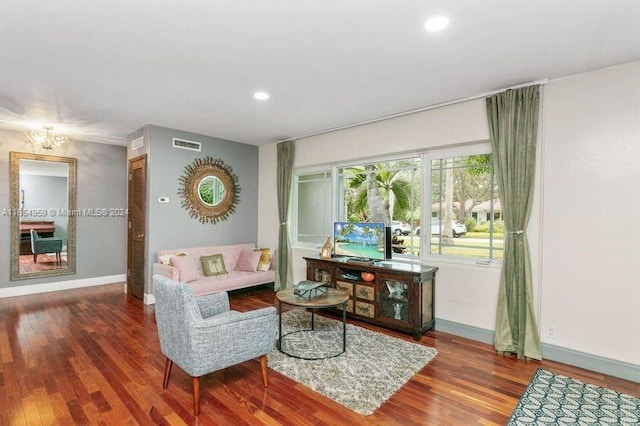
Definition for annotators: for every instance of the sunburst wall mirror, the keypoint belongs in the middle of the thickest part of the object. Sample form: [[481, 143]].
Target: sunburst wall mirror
[[209, 190]]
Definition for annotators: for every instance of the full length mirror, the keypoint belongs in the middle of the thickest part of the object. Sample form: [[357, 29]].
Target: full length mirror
[[43, 219]]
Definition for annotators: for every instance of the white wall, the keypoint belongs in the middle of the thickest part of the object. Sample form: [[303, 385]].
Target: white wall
[[591, 254], [582, 232], [456, 124]]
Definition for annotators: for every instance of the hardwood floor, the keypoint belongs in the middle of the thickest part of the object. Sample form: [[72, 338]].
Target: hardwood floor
[[45, 262], [91, 356]]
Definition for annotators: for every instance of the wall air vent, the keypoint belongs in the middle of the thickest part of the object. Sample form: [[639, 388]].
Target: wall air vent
[[185, 144], [137, 143]]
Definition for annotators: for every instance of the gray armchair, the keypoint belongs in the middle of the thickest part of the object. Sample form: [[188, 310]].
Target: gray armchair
[[41, 245], [202, 335]]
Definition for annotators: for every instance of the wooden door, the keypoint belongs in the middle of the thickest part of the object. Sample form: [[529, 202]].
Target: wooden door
[[136, 235]]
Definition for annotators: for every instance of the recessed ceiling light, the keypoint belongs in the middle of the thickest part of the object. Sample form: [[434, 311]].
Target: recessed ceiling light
[[262, 96], [436, 23]]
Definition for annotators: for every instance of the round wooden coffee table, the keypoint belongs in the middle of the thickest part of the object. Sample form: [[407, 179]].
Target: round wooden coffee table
[[329, 298]]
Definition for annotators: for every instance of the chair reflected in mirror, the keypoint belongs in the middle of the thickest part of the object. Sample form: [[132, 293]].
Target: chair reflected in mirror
[[47, 245]]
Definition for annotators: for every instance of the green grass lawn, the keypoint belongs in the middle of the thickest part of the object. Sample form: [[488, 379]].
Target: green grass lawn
[[496, 235], [474, 245]]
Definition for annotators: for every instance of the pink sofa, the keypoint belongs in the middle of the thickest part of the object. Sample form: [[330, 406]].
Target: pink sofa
[[235, 261]]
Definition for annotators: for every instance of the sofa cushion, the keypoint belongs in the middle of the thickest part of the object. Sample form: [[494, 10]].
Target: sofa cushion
[[230, 253], [248, 261], [213, 265], [230, 281], [188, 268]]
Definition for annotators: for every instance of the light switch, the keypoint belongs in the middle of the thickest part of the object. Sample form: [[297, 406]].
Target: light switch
[[163, 200]]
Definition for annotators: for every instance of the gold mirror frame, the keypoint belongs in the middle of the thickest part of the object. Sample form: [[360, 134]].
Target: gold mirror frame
[[194, 173], [14, 185]]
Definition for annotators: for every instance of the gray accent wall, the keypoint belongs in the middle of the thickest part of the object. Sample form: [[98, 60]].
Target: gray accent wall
[[169, 225], [101, 245]]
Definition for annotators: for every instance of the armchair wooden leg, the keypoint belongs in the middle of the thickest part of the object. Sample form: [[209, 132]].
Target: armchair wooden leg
[[263, 367], [196, 395], [35, 258], [167, 371]]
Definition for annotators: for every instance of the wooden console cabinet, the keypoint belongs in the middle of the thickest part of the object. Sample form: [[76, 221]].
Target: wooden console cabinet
[[400, 295]]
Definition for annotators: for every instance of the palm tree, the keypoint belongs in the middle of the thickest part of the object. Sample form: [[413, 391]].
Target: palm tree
[[379, 194]]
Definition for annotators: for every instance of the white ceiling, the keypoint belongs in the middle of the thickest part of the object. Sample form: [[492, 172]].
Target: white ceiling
[[106, 68]]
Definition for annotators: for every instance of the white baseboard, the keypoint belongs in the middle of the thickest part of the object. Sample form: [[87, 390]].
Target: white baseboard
[[25, 290], [147, 298]]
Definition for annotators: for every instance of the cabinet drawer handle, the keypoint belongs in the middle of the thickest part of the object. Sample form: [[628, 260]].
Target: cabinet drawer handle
[[365, 308]]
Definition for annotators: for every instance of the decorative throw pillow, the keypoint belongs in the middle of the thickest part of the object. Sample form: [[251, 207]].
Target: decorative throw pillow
[[187, 267], [213, 265], [265, 259], [248, 261], [166, 259]]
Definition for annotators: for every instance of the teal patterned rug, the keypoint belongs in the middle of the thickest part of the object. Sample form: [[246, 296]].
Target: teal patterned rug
[[553, 399]]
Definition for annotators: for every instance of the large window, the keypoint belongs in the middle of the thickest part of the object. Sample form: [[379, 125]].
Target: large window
[[464, 208], [440, 203], [385, 191]]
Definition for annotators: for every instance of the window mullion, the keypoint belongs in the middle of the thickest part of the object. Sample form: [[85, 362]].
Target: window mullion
[[491, 202], [440, 217]]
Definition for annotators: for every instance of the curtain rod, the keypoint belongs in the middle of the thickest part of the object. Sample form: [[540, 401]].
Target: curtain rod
[[413, 111]]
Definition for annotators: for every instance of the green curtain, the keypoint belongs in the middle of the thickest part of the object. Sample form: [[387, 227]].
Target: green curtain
[[284, 172], [513, 129]]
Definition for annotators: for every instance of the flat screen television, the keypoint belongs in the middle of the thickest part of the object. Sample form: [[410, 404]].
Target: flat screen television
[[359, 240]]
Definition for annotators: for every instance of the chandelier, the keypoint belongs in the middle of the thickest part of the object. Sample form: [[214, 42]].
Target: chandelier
[[46, 139]]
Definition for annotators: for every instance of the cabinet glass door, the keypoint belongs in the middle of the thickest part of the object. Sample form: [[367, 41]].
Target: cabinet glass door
[[322, 274], [394, 299]]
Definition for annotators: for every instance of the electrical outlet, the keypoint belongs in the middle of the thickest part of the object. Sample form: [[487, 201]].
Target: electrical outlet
[[551, 332]]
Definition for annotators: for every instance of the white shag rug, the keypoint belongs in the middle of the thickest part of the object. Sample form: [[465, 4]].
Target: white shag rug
[[372, 369]]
